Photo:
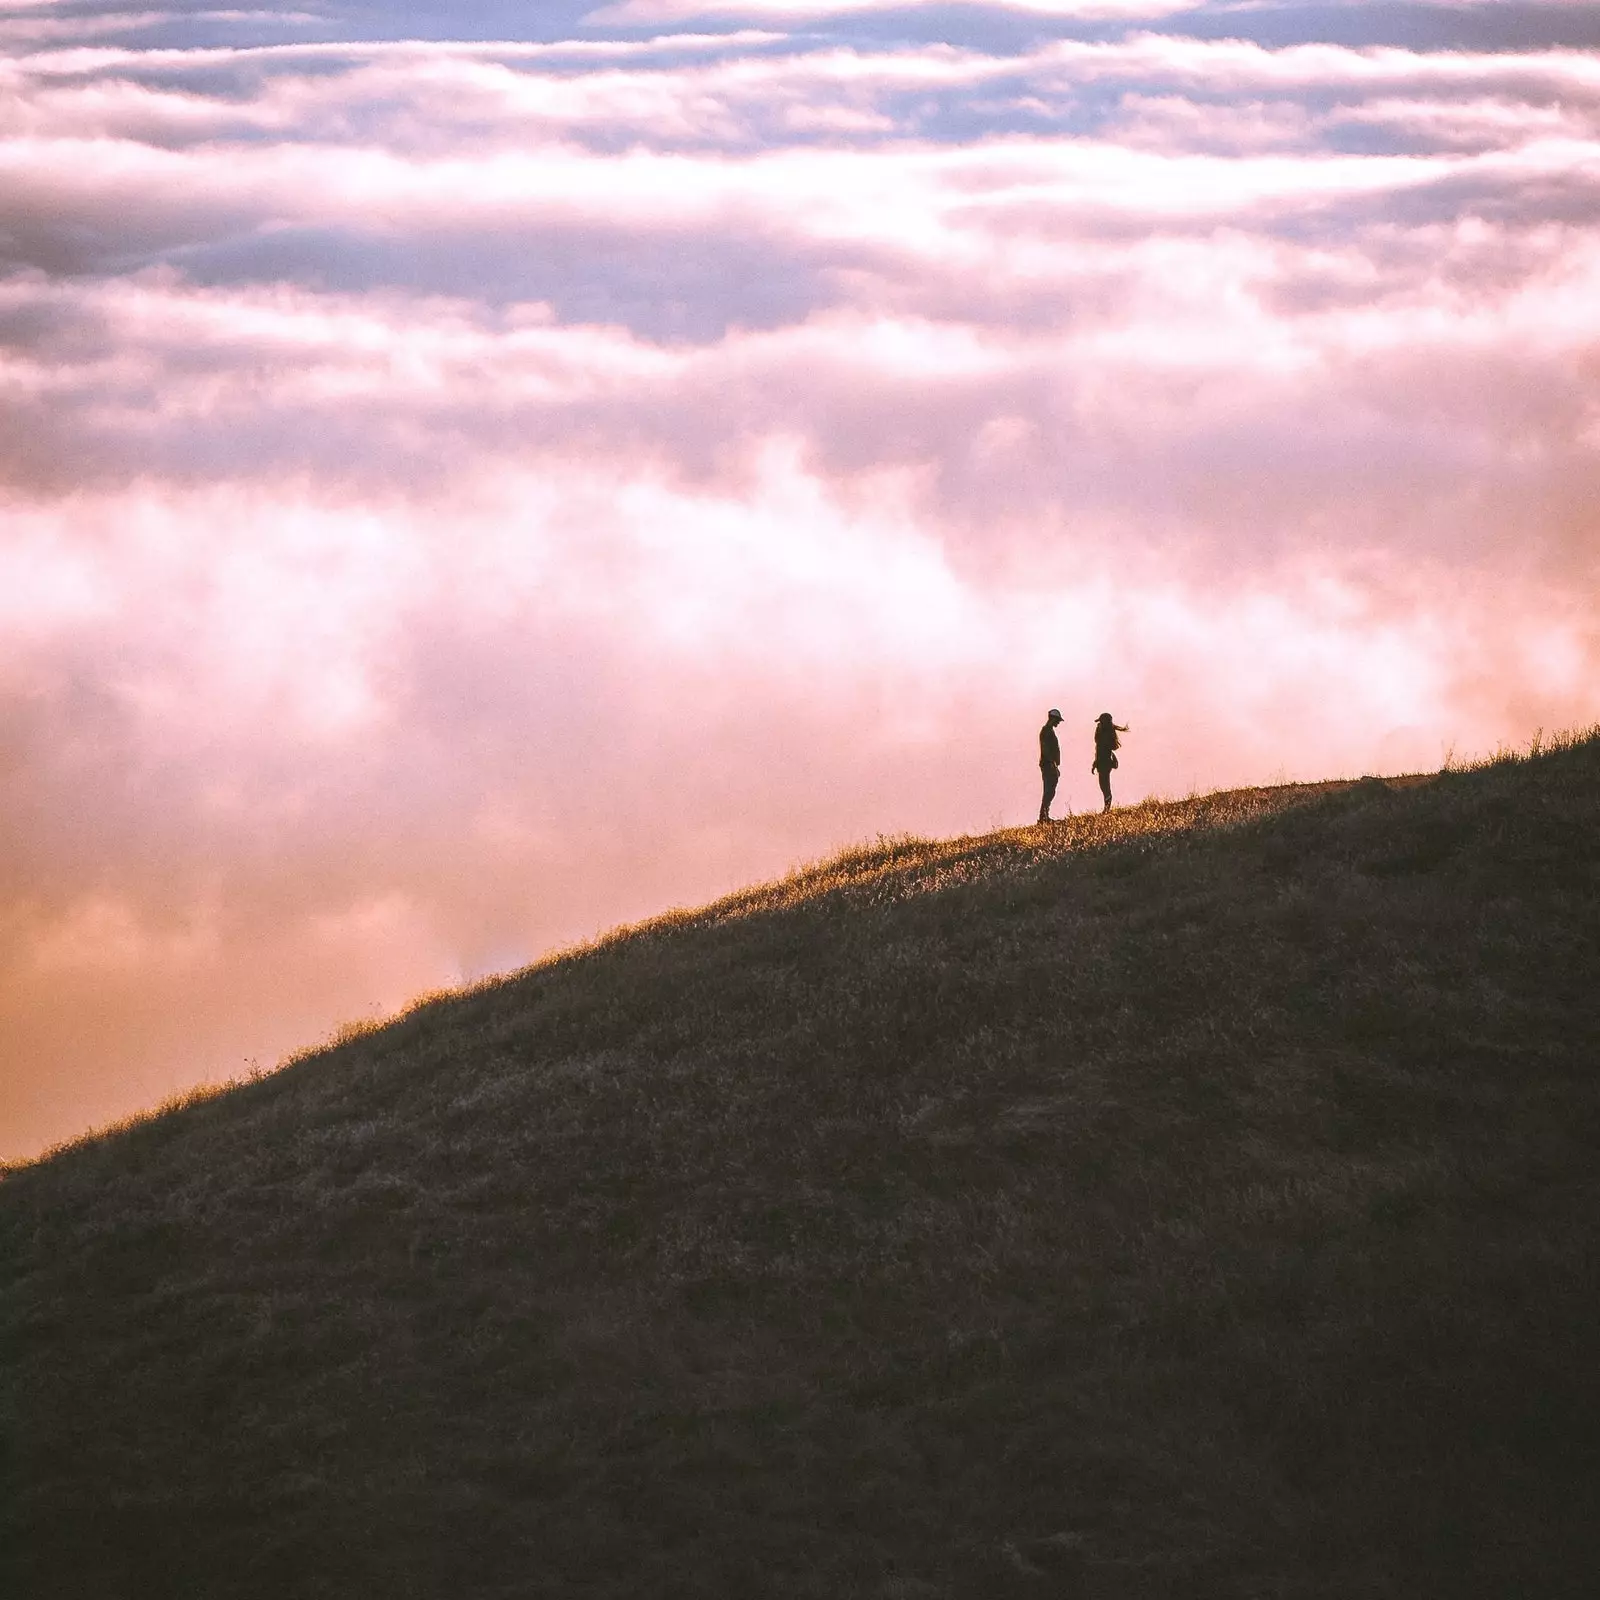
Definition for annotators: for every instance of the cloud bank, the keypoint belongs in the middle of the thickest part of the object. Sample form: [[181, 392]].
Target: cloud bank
[[459, 495]]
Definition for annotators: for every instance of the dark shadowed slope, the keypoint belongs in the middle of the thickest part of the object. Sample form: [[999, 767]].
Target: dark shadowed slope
[[1196, 1201]]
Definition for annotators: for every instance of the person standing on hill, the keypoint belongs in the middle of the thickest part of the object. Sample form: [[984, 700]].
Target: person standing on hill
[[1106, 743], [1049, 762]]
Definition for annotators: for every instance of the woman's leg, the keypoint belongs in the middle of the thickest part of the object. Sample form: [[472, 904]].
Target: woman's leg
[[1105, 787]]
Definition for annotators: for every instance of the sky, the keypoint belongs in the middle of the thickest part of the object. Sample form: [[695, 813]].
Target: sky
[[473, 475]]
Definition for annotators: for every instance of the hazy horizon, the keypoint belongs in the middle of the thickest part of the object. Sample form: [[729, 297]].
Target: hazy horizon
[[471, 479]]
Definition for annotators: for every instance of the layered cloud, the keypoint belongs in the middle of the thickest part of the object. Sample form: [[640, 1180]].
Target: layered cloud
[[662, 13], [457, 496]]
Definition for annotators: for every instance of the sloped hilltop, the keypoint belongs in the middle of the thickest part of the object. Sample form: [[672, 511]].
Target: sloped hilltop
[[1199, 1200]]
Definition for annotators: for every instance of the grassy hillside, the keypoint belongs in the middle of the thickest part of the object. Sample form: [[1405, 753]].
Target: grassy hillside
[[1199, 1200]]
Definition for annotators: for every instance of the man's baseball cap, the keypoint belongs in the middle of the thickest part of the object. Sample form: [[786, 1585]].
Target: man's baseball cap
[[1054, 713]]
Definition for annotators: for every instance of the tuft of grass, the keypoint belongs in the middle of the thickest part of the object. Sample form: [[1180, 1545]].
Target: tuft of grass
[[1197, 1199]]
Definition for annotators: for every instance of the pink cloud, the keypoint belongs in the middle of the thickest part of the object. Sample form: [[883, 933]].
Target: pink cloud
[[655, 13], [457, 498]]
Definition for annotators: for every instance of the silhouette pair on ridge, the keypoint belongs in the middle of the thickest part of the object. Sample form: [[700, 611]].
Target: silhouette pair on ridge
[[1106, 744]]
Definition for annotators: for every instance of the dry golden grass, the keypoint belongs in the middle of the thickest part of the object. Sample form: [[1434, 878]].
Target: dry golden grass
[[1193, 1200]]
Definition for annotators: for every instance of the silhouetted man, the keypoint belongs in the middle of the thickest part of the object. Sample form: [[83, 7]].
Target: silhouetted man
[[1049, 762]]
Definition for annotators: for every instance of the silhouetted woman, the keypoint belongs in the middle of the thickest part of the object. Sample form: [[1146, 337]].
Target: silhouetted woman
[[1106, 743]]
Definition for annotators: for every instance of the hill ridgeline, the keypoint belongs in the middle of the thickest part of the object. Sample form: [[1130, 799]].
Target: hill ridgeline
[[1198, 1200]]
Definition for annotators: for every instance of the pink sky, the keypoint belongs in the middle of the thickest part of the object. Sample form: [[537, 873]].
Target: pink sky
[[459, 495]]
